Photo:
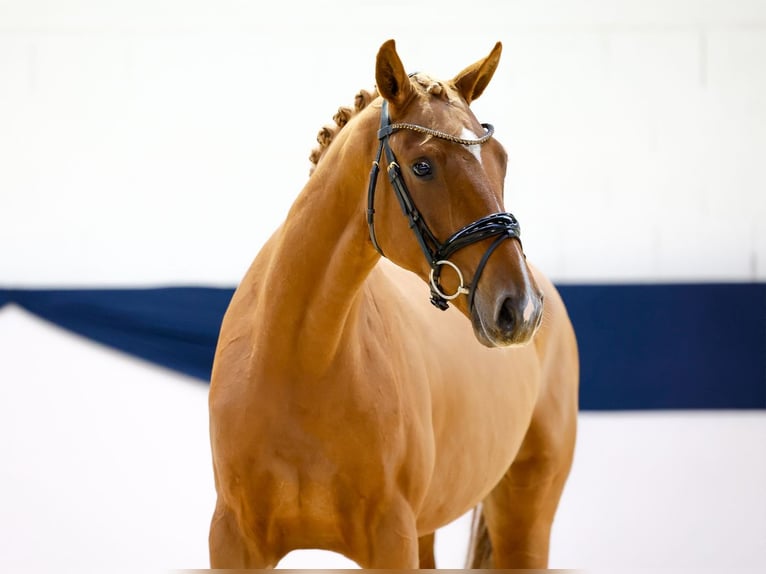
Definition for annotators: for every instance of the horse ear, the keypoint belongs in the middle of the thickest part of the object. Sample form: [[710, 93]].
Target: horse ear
[[472, 81], [392, 81]]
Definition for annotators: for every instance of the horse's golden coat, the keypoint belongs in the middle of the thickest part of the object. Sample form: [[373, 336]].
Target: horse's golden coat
[[346, 413]]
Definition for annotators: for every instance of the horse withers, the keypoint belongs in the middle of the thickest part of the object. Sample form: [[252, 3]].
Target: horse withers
[[391, 360]]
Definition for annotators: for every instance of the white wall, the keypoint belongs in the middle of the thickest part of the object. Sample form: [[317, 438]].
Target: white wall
[[161, 142]]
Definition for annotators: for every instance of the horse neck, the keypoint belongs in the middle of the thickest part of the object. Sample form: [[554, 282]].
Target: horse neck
[[321, 257]]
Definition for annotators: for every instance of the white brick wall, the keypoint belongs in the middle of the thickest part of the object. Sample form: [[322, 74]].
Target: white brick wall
[[141, 142]]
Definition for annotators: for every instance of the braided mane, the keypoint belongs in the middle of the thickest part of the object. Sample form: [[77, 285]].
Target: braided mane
[[361, 101], [341, 118]]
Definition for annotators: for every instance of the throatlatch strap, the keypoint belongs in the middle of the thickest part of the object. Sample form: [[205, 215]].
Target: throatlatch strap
[[371, 199]]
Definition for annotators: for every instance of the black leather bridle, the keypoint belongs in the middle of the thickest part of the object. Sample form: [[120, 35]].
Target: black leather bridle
[[502, 226]]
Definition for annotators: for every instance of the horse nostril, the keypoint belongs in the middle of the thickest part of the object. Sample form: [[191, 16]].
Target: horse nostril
[[506, 317]]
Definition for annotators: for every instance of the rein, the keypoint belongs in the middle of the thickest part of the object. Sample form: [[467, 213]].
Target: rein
[[502, 226]]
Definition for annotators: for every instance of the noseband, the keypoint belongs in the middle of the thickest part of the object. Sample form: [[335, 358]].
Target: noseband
[[499, 225]]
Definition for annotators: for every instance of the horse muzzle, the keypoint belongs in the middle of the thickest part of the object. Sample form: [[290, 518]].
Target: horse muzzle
[[511, 320]]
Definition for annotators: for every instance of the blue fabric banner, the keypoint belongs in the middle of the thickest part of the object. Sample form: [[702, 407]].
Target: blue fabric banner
[[670, 346], [687, 346], [176, 327]]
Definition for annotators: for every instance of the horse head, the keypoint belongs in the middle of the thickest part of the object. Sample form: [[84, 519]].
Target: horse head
[[446, 174]]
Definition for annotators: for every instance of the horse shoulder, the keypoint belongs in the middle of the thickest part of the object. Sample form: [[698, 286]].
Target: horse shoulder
[[555, 342], [232, 370], [553, 426]]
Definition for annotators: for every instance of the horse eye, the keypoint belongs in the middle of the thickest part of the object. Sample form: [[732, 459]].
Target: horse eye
[[421, 168]]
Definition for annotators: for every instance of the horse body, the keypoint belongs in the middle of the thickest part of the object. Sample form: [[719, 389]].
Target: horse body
[[347, 414]]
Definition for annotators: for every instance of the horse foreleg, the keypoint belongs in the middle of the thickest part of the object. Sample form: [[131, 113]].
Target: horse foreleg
[[229, 548], [426, 551], [392, 539], [519, 511]]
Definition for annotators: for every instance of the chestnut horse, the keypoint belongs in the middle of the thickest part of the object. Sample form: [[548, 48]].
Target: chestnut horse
[[348, 414]]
